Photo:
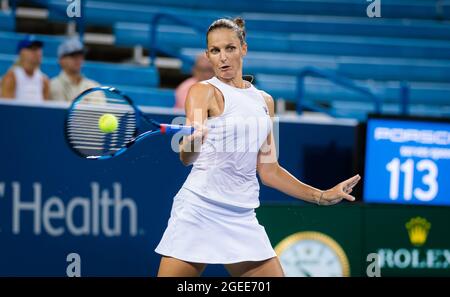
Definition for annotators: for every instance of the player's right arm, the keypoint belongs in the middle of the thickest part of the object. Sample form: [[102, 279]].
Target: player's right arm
[[196, 107], [8, 85]]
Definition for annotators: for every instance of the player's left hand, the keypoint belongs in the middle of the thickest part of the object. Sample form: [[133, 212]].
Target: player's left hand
[[340, 191]]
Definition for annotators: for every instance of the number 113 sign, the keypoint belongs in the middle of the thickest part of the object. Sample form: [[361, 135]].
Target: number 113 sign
[[407, 161]]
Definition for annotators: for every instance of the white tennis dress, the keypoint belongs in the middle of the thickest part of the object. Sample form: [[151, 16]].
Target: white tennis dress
[[213, 217]]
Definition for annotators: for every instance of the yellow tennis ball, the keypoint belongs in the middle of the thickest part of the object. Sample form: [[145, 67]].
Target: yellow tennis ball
[[108, 123]]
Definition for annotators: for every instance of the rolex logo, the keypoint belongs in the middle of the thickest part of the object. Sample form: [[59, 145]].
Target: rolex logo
[[418, 230]]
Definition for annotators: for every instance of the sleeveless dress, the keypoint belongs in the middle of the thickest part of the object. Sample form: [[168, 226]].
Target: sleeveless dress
[[213, 218]]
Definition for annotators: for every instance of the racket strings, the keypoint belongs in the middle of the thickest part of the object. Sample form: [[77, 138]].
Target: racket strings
[[83, 131]]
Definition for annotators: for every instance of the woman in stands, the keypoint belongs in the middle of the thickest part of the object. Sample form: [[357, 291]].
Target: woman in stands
[[25, 80], [213, 215]]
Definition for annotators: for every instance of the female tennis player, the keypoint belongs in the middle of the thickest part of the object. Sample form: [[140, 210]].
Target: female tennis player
[[213, 215]]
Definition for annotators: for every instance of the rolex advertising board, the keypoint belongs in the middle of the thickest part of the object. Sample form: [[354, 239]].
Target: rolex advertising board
[[359, 239], [409, 240]]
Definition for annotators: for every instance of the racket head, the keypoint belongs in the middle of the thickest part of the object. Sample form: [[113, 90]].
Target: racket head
[[82, 128]]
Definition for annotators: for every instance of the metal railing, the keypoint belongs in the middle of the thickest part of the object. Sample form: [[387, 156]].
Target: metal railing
[[348, 84], [307, 71]]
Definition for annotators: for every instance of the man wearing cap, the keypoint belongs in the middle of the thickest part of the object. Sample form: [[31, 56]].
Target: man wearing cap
[[70, 82], [24, 80]]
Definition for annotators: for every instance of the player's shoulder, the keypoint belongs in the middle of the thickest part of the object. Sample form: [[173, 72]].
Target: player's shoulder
[[266, 95], [202, 89], [199, 94], [268, 98], [202, 86]]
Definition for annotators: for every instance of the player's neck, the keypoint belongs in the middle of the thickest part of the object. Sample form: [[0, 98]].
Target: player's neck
[[237, 82]]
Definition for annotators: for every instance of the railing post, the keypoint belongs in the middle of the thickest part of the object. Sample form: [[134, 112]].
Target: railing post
[[404, 97], [377, 103], [152, 48], [13, 6], [342, 81], [80, 21], [300, 91]]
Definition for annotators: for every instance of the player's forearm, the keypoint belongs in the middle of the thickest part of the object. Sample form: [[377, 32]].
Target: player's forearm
[[188, 158], [285, 182], [188, 154]]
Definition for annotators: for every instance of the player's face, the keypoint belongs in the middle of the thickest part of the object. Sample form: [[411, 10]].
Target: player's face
[[225, 53]]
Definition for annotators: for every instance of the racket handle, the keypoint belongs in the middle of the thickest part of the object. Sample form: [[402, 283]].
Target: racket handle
[[172, 129]]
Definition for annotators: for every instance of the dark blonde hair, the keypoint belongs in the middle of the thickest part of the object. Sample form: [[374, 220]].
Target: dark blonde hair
[[237, 25]]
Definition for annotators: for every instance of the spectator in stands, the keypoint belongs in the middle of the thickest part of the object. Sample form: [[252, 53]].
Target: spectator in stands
[[24, 80], [202, 70], [70, 82]]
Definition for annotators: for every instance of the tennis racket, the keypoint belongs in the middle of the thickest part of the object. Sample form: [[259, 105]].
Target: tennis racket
[[103, 122]]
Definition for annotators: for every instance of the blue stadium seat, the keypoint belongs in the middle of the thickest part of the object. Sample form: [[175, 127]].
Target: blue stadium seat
[[446, 10], [107, 13], [115, 74], [140, 83], [409, 43], [381, 27], [7, 21], [9, 40], [352, 67], [177, 37], [149, 96], [319, 90], [412, 9], [359, 110], [104, 73]]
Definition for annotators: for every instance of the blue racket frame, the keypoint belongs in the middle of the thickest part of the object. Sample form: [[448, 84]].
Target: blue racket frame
[[140, 117]]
